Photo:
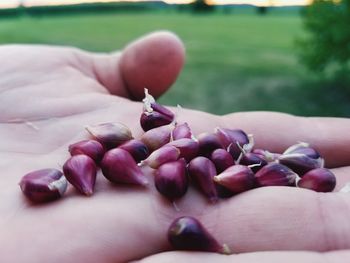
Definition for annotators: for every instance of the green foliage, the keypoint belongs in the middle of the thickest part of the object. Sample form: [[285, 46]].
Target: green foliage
[[328, 41], [202, 6]]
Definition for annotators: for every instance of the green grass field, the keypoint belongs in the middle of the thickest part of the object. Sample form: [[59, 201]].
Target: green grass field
[[235, 62]]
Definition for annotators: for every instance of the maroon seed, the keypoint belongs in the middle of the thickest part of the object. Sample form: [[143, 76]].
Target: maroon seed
[[208, 142], [167, 153], [157, 137], [254, 161], [182, 131], [275, 174], [154, 115], [111, 134], [230, 139], [91, 148], [118, 166], [188, 148], [222, 159], [43, 185], [300, 163], [136, 148], [237, 178], [171, 179], [202, 171], [80, 170], [187, 233], [319, 180]]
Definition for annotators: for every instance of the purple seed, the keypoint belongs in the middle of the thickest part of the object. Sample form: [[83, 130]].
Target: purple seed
[[182, 131], [187, 233], [202, 171], [319, 180], [188, 148], [303, 148], [157, 137], [80, 170], [136, 148], [165, 154], [300, 163], [208, 142], [171, 179], [230, 138], [91, 148], [275, 174], [154, 115], [222, 159], [237, 178], [118, 166], [43, 185], [111, 134], [254, 160]]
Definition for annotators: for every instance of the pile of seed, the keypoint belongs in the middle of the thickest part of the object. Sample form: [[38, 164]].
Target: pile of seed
[[220, 163]]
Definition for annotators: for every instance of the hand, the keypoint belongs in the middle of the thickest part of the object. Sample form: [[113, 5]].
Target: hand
[[49, 94]]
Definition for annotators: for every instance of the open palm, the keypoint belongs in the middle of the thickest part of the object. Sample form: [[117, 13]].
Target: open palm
[[49, 94]]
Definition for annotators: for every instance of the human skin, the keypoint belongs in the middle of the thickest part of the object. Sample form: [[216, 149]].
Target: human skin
[[49, 94]]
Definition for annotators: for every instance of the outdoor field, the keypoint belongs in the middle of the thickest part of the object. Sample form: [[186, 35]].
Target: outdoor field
[[239, 61]]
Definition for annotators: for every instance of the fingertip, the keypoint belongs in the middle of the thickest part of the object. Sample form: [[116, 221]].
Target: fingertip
[[153, 62]]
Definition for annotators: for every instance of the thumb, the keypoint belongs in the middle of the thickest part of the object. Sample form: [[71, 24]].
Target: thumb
[[154, 62]]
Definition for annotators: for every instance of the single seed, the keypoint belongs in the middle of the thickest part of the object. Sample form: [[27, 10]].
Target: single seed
[[187, 233], [80, 170], [110, 134], [154, 115], [319, 180], [208, 142], [167, 153], [202, 171], [118, 166], [222, 159], [182, 131], [157, 137], [171, 179], [230, 139], [188, 148], [91, 148], [275, 174], [43, 185], [237, 178], [253, 160], [136, 148]]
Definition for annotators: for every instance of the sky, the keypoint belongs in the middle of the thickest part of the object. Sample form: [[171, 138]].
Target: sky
[[15, 3]]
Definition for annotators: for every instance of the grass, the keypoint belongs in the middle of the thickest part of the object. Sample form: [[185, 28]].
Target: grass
[[235, 62]]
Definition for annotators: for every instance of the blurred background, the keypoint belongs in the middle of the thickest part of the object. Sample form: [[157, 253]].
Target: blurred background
[[291, 56]]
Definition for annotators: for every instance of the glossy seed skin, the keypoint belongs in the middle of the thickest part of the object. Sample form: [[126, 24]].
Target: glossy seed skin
[[164, 154], [187, 233], [189, 148], [136, 148], [154, 119], [275, 174], [237, 178], [222, 160], [208, 142], [80, 170], [91, 148], [43, 185], [254, 160], [230, 138], [171, 179], [202, 171], [119, 167], [182, 131], [319, 180], [157, 137], [110, 134]]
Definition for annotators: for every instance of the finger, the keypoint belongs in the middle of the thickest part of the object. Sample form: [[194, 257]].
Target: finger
[[153, 61], [281, 218], [261, 257], [277, 131]]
